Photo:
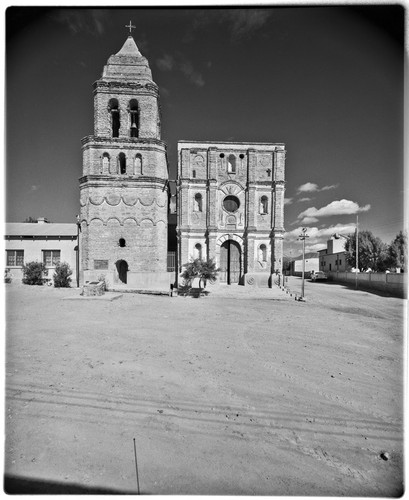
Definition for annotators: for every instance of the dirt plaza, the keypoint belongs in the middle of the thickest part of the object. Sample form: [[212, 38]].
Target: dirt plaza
[[241, 392]]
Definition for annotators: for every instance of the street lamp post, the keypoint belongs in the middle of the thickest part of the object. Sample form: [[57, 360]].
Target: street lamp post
[[356, 256], [302, 237], [78, 251]]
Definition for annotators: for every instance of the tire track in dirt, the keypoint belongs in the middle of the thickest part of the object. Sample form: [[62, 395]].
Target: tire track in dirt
[[335, 398]]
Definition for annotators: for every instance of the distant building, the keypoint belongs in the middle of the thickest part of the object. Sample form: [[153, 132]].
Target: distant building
[[311, 264], [49, 243], [231, 208], [333, 258]]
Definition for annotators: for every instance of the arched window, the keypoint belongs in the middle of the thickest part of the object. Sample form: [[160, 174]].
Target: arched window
[[138, 165], [122, 242], [105, 163], [263, 253], [198, 251], [198, 203], [134, 118], [113, 108], [264, 205], [231, 164], [122, 163]]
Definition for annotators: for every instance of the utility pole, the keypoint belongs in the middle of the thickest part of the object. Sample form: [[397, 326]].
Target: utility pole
[[78, 251], [302, 237], [356, 256]]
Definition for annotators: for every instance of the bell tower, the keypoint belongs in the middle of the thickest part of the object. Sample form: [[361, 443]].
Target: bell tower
[[123, 189]]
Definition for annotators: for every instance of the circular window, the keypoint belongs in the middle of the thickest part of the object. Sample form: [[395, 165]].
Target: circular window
[[231, 203]]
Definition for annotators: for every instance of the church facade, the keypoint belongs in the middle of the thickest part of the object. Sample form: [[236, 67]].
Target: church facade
[[229, 196], [230, 200]]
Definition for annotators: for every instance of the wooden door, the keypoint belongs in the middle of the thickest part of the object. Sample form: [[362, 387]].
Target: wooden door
[[223, 273], [235, 262], [230, 262]]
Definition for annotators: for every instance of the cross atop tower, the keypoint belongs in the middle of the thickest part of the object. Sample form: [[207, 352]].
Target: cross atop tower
[[130, 26]]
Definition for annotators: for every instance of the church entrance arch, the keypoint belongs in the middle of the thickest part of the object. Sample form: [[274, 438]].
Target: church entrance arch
[[122, 269], [230, 262]]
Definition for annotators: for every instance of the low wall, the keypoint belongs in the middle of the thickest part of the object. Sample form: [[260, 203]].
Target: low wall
[[159, 281], [392, 283]]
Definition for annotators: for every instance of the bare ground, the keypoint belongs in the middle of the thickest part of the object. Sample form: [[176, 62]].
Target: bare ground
[[239, 392]]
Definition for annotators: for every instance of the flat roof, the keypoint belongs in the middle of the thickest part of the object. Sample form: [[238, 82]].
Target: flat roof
[[236, 144], [35, 229]]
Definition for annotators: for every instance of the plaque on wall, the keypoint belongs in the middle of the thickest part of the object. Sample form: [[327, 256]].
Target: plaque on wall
[[100, 264]]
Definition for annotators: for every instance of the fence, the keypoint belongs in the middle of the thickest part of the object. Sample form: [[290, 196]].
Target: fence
[[392, 283]]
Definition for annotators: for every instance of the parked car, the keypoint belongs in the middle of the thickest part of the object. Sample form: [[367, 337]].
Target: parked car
[[318, 276]]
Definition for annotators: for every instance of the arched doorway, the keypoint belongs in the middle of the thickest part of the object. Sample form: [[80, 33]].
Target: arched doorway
[[122, 268], [230, 262]]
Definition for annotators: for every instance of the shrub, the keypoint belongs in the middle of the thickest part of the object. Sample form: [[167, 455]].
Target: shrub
[[62, 275], [33, 273]]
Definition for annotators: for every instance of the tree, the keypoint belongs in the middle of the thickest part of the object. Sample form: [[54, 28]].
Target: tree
[[398, 251], [31, 220], [372, 252], [34, 272], [62, 275], [205, 270]]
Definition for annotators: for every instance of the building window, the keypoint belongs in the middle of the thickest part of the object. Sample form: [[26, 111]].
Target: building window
[[105, 163], [134, 118], [231, 164], [113, 108], [138, 169], [263, 253], [231, 203], [198, 251], [15, 258], [122, 163], [198, 203], [51, 257], [194, 174], [264, 205], [122, 242]]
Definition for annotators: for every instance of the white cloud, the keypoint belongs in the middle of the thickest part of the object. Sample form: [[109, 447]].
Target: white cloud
[[308, 187], [332, 186], [311, 187], [308, 220], [288, 201], [304, 199], [89, 21], [169, 63], [165, 63], [34, 187], [192, 75], [245, 22], [337, 207]]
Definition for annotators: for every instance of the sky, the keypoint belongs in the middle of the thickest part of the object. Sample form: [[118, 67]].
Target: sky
[[327, 81]]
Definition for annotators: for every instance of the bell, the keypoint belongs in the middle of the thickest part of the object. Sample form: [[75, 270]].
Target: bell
[[133, 125]]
